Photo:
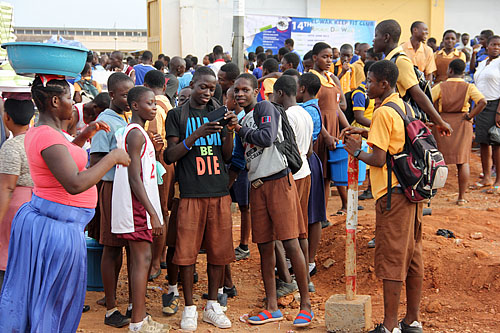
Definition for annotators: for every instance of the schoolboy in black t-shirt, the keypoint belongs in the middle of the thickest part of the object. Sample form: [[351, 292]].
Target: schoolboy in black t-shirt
[[201, 149]]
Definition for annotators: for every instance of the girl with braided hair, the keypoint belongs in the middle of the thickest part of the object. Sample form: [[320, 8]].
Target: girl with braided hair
[[45, 279]]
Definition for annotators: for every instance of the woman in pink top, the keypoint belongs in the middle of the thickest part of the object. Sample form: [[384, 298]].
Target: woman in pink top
[[45, 280]]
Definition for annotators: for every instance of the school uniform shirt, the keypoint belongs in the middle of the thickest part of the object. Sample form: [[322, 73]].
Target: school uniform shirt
[[443, 61], [359, 72], [346, 81], [122, 207], [423, 57], [184, 81], [157, 126], [104, 142], [359, 103], [387, 132], [487, 79], [201, 172], [216, 65], [406, 77], [267, 87], [472, 93], [302, 126], [312, 107]]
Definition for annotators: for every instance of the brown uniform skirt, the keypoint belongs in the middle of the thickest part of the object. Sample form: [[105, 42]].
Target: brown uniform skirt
[[456, 147]]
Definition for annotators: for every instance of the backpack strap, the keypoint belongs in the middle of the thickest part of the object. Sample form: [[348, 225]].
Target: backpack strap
[[403, 115], [184, 119], [319, 113], [335, 70]]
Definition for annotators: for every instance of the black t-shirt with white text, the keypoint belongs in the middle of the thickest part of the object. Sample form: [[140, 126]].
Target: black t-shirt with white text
[[201, 172]]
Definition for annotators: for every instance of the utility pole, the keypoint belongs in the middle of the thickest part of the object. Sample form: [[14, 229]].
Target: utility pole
[[238, 33]]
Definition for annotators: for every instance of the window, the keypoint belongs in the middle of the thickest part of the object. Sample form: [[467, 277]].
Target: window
[[128, 33], [46, 32], [70, 32], [79, 32], [112, 33], [37, 32], [104, 33], [95, 33], [121, 33]]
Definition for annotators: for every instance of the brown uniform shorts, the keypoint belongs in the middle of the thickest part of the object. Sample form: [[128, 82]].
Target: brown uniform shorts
[[275, 210], [303, 189], [207, 222], [398, 234], [106, 237]]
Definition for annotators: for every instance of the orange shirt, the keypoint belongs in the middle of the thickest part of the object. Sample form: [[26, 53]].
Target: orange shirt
[[359, 72], [423, 57], [346, 81], [387, 132]]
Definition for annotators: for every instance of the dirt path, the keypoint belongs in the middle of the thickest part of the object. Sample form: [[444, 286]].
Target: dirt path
[[462, 277]]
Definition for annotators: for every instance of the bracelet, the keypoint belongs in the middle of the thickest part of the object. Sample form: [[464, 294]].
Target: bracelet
[[184, 143]]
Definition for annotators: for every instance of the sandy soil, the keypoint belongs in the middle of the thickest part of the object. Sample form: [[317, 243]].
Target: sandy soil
[[462, 276]]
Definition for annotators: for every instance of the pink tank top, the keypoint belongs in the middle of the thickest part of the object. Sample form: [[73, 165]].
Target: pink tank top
[[46, 185]]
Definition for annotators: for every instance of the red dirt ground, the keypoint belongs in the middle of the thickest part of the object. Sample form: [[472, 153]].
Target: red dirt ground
[[461, 285]]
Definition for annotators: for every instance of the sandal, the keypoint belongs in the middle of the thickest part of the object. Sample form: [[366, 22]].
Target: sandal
[[266, 317], [493, 190], [461, 202], [340, 212], [304, 318], [479, 185], [155, 275], [170, 304]]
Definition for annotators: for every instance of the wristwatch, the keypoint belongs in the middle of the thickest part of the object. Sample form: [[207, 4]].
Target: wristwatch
[[356, 153]]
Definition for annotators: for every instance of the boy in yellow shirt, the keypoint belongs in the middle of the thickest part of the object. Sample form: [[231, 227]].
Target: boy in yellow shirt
[[398, 250], [343, 69]]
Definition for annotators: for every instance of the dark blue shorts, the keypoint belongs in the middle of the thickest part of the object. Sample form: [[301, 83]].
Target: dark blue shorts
[[241, 189]]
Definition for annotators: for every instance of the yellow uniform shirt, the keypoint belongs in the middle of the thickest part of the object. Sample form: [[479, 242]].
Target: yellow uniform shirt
[[359, 72], [387, 132], [367, 112], [268, 85], [157, 125], [472, 93], [406, 77], [455, 54], [423, 57], [346, 81]]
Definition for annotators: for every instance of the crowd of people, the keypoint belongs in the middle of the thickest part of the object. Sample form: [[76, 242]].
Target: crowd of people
[[148, 157]]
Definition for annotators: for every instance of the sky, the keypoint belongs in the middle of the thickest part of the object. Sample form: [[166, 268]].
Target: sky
[[129, 14]]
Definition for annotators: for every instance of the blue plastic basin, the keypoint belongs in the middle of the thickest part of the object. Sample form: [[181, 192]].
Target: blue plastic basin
[[42, 58], [338, 164], [94, 256]]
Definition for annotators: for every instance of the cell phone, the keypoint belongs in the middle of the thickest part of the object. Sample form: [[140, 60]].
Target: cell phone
[[218, 115]]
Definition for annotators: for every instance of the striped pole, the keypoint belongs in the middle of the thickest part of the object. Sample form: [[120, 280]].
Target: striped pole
[[351, 225]]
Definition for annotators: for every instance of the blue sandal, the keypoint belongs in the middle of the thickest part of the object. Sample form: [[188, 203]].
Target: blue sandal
[[304, 318], [265, 317]]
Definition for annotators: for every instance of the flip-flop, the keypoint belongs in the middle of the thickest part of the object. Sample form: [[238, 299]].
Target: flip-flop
[[102, 301], [155, 275], [478, 186], [339, 213], [493, 190], [304, 318], [265, 317], [461, 202]]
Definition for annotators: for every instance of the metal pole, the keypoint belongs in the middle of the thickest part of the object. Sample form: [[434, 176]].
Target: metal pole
[[351, 225], [238, 33]]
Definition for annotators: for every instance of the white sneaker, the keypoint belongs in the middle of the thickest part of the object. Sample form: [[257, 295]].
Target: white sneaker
[[189, 321], [216, 316]]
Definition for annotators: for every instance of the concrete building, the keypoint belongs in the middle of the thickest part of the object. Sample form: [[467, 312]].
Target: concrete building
[[181, 27], [100, 40]]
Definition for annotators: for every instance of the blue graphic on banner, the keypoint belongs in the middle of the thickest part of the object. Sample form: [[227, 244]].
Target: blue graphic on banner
[[272, 39], [271, 32]]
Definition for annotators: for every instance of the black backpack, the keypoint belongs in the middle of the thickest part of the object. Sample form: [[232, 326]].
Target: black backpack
[[349, 112], [288, 146], [420, 168], [424, 85]]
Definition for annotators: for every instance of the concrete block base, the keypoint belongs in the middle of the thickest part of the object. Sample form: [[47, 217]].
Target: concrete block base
[[344, 316]]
